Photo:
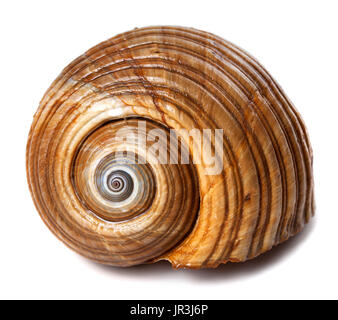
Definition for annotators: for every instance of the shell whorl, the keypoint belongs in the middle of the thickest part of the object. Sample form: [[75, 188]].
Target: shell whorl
[[116, 212]]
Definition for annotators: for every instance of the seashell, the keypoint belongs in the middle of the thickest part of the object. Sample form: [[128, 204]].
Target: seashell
[[120, 202]]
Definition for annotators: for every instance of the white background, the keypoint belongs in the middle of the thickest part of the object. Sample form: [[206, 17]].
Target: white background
[[297, 41]]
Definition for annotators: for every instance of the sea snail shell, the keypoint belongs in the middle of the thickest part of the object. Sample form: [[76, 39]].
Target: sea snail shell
[[98, 200]]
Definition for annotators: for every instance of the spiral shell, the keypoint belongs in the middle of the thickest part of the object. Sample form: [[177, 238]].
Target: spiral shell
[[98, 200]]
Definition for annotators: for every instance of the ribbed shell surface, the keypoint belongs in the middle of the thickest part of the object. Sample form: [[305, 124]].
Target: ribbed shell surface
[[177, 78]]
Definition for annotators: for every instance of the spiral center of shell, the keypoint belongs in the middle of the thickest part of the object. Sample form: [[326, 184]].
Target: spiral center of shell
[[150, 206], [115, 185]]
